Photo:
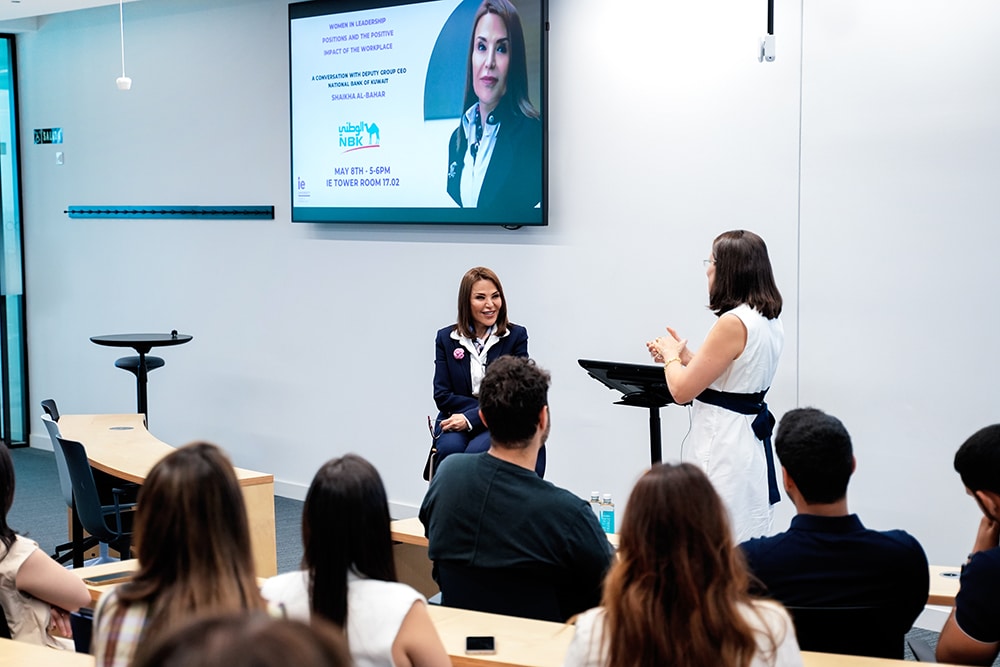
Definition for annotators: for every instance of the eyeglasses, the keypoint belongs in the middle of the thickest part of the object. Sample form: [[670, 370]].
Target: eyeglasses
[[433, 426], [708, 262]]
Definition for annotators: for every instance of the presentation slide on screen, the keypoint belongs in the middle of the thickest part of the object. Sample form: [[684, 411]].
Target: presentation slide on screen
[[358, 82], [368, 130]]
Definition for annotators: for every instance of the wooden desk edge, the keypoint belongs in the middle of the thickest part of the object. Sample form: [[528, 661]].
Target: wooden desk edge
[[411, 531], [96, 590], [944, 585], [23, 653], [253, 478]]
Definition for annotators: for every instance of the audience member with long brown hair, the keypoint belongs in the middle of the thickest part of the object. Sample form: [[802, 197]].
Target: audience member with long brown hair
[[349, 575], [679, 593], [194, 553]]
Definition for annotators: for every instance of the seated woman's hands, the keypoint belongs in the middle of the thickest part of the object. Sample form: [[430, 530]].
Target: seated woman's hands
[[456, 422], [59, 625]]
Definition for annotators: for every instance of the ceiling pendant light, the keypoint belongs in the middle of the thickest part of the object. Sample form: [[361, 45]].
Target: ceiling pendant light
[[123, 82]]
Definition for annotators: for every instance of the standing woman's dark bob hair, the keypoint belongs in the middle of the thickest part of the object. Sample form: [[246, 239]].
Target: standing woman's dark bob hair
[[743, 275], [345, 527], [464, 324], [516, 95]]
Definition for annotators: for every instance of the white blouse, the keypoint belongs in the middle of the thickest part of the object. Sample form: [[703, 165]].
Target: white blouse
[[375, 611]]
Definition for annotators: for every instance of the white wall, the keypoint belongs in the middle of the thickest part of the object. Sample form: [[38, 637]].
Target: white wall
[[312, 340], [900, 161]]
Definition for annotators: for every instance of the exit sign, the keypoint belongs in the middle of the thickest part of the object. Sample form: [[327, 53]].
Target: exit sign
[[49, 135]]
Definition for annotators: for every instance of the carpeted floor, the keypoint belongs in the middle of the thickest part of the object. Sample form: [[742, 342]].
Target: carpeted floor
[[39, 511]]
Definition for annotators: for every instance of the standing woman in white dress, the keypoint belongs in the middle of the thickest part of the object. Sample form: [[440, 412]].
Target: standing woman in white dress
[[727, 378]]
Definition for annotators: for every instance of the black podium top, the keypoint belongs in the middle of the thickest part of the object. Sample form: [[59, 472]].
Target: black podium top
[[141, 342], [642, 385]]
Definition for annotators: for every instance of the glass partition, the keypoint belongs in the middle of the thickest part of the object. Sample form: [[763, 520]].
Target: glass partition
[[13, 403]]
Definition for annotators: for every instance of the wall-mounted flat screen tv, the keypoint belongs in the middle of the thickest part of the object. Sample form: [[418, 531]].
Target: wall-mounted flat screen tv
[[419, 111]]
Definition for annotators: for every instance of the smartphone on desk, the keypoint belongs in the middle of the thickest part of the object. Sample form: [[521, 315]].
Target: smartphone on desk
[[480, 645], [109, 578]]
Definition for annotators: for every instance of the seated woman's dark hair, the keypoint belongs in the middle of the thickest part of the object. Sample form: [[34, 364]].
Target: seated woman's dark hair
[[345, 527]]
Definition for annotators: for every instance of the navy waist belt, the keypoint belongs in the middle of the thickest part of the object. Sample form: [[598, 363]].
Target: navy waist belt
[[763, 425]]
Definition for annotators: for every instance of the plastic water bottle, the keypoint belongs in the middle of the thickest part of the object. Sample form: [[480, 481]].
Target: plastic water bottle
[[595, 503], [607, 514]]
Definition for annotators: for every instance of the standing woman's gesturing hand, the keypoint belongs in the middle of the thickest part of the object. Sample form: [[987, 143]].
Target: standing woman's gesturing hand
[[665, 348]]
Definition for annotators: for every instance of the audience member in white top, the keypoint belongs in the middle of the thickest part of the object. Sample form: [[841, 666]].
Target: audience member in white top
[[36, 593], [350, 575], [678, 594]]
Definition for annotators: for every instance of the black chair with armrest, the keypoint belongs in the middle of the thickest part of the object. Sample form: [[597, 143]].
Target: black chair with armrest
[[512, 592], [868, 631], [49, 405], [78, 544], [93, 515]]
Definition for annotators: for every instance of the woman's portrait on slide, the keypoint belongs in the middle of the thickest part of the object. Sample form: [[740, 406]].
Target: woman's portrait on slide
[[495, 153]]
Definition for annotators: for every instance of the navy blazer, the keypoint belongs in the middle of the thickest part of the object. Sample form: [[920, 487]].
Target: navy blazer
[[513, 179], [453, 377]]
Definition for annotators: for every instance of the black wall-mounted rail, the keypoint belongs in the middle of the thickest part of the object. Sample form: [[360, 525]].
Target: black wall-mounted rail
[[175, 212]]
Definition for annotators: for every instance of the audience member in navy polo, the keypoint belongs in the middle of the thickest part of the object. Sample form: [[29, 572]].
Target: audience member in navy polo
[[827, 558], [971, 635]]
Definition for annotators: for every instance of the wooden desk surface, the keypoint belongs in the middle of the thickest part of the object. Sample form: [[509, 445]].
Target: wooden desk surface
[[411, 531], [944, 585], [120, 445], [520, 642], [125, 567], [813, 659], [523, 642], [19, 654]]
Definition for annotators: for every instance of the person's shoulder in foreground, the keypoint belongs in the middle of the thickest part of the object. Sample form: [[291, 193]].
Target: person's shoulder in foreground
[[827, 556], [475, 496], [492, 510], [971, 635]]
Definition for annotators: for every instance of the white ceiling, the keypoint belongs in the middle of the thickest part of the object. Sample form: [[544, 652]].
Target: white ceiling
[[19, 9]]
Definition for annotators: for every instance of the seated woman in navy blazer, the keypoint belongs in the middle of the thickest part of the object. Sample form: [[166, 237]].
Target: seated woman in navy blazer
[[465, 349]]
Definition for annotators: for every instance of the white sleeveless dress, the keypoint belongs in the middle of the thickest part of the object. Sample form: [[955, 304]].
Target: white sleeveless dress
[[722, 442]]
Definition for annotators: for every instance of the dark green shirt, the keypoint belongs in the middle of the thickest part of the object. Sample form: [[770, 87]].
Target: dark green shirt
[[486, 513]]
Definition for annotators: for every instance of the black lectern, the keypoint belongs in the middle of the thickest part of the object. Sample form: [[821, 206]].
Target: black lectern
[[641, 385]]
